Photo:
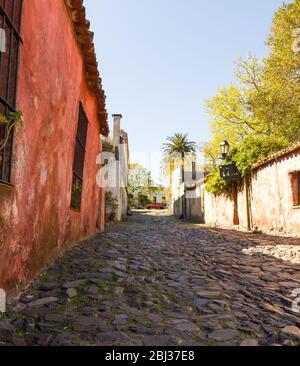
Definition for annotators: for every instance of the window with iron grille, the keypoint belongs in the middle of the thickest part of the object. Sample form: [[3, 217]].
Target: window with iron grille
[[10, 24], [78, 165], [295, 181]]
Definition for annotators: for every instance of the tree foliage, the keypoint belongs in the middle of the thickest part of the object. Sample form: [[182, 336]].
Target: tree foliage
[[139, 180], [253, 149], [179, 145], [216, 185], [261, 114], [177, 150]]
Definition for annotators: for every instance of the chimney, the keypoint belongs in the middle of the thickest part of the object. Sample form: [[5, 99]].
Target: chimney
[[117, 128]]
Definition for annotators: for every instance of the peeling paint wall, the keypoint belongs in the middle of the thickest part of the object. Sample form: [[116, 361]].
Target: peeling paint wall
[[36, 223], [218, 210], [271, 198]]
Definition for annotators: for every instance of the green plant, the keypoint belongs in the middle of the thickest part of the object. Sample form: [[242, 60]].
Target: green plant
[[76, 194], [111, 206], [107, 146], [143, 200], [139, 181], [216, 185], [251, 150], [9, 122]]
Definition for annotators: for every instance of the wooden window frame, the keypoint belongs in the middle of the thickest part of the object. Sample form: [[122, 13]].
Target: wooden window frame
[[79, 159], [9, 76], [295, 185]]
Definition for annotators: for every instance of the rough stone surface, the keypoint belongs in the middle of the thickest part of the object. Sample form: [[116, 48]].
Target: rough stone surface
[[6, 329], [156, 281], [292, 331], [43, 301], [249, 343], [71, 292], [286, 252], [224, 335]]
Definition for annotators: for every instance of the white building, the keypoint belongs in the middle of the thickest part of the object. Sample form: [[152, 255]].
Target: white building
[[118, 167], [186, 190], [158, 197]]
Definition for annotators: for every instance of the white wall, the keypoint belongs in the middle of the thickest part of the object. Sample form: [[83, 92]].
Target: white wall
[[271, 199]]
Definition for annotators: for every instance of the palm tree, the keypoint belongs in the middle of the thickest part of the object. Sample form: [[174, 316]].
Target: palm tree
[[178, 146], [175, 149]]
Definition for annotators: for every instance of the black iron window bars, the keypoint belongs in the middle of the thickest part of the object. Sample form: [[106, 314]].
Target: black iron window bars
[[10, 23], [79, 155]]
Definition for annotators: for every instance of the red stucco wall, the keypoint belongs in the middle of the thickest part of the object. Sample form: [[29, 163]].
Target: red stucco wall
[[36, 223]]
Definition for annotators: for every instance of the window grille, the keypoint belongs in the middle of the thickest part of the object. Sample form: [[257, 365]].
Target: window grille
[[10, 24], [79, 155]]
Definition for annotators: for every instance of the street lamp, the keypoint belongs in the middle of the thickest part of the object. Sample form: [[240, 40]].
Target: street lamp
[[224, 146]]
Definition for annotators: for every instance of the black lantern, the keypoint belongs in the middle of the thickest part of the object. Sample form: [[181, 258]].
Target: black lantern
[[224, 146]]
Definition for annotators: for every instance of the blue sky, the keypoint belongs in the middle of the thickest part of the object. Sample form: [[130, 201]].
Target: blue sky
[[160, 60]]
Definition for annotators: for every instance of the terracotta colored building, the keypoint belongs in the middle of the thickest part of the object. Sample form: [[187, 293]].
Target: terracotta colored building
[[49, 198], [274, 197]]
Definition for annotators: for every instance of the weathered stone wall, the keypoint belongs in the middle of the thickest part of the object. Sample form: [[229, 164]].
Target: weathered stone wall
[[36, 223], [219, 210], [271, 199], [193, 210]]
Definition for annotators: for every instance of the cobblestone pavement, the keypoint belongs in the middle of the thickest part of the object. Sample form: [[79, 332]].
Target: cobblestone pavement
[[155, 281]]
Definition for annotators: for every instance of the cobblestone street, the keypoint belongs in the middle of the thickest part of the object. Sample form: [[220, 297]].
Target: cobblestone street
[[156, 281]]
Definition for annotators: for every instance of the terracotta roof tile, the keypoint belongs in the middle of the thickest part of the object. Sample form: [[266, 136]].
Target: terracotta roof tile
[[277, 155], [85, 40]]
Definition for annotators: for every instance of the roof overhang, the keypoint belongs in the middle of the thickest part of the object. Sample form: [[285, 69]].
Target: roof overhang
[[85, 39], [281, 154]]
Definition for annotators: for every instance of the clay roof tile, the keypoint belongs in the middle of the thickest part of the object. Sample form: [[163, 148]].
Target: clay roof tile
[[85, 39], [277, 155]]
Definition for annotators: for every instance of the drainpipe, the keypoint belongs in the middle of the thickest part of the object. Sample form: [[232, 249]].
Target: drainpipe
[[248, 203]]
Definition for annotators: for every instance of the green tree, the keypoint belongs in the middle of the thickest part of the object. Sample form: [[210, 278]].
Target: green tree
[[139, 180], [177, 148], [253, 149], [272, 86], [260, 115], [281, 77]]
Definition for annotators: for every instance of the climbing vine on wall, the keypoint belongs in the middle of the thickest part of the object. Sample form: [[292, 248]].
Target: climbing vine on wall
[[244, 155], [8, 123]]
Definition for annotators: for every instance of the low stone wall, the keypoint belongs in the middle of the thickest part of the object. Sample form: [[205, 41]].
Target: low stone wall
[[272, 196], [226, 211], [218, 210]]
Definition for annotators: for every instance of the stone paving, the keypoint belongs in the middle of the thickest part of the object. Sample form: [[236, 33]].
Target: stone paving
[[155, 281]]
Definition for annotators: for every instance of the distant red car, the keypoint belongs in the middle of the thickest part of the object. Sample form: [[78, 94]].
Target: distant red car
[[156, 206]]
